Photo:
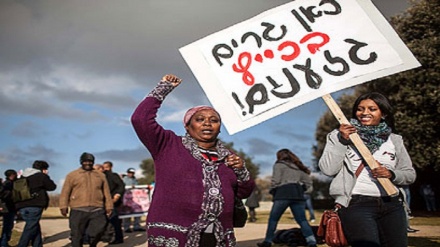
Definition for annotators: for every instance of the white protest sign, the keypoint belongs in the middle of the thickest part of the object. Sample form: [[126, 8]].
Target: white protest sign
[[293, 54]]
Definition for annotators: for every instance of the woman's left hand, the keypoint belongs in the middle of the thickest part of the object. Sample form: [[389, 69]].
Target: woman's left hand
[[381, 172], [234, 161]]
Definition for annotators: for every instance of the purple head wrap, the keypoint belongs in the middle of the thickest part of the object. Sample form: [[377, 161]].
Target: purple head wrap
[[192, 111]]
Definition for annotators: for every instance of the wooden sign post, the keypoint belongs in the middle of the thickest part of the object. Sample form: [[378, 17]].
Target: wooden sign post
[[359, 144]]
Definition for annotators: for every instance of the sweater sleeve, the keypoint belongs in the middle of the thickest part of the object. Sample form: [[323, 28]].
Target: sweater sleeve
[[306, 179], [245, 188], [49, 184], [149, 132], [332, 159], [404, 171], [65, 193]]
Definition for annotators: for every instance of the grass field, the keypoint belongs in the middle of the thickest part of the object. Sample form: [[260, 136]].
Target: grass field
[[427, 240]]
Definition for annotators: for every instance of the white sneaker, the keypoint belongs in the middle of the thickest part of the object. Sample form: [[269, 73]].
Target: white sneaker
[[312, 221]]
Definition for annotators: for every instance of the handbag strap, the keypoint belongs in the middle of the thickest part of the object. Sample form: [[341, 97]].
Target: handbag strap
[[359, 169], [357, 173]]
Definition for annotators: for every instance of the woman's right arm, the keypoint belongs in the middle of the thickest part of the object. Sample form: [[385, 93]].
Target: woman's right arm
[[143, 119], [332, 158]]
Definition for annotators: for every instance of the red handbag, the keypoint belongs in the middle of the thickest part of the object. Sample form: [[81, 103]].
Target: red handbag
[[330, 229]]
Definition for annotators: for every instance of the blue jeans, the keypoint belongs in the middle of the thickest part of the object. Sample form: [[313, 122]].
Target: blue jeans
[[32, 230], [298, 210], [8, 225], [309, 206], [374, 221]]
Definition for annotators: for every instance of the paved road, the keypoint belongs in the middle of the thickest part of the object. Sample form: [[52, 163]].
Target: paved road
[[56, 234]]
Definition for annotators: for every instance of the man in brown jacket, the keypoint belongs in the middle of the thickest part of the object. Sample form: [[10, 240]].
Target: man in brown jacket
[[86, 192]]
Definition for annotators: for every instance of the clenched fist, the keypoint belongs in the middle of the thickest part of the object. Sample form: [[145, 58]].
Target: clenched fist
[[174, 80]]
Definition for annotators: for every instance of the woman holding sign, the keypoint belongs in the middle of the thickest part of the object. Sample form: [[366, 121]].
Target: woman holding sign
[[369, 216], [196, 176]]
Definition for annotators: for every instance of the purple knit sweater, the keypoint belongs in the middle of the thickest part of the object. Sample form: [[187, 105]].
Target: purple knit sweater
[[190, 192]]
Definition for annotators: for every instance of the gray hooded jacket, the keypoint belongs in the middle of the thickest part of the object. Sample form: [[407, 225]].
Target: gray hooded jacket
[[287, 173]]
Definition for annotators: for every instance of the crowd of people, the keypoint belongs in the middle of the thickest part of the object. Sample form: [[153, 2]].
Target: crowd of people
[[30, 210], [91, 196], [197, 181]]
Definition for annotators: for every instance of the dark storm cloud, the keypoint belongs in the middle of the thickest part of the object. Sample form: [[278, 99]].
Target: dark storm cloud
[[139, 41], [391, 7], [127, 155], [84, 61], [27, 129], [259, 146], [295, 134], [139, 38], [39, 108], [20, 158]]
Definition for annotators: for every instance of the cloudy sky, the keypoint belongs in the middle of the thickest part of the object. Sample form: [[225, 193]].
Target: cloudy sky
[[72, 72]]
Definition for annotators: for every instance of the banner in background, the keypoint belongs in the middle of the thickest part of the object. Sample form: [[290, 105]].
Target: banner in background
[[136, 201]]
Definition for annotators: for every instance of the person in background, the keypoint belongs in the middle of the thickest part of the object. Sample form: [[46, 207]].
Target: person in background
[[369, 216], [9, 216], [98, 167], [252, 203], [3, 195], [404, 194], [308, 198], [31, 210], [104, 238], [131, 181], [428, 194], [87, 193], [197, 177], [117, 189], [309, 207], [290, 180], [407, 192]]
